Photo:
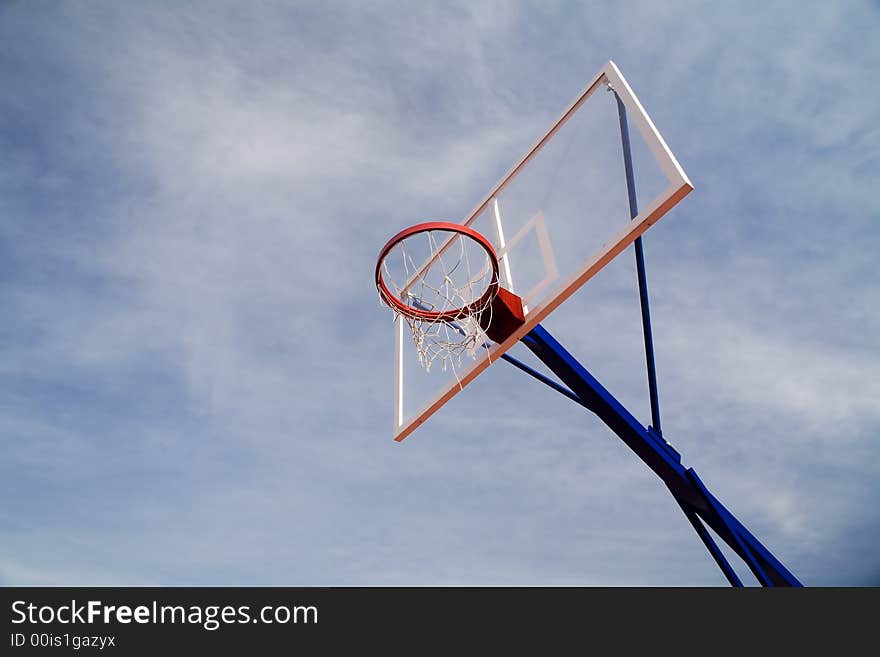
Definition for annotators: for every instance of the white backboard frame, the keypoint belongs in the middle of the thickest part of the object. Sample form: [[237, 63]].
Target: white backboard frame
[[677, 188]]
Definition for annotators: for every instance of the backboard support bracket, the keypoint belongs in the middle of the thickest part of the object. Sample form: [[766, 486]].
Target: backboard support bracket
[[505, 316]]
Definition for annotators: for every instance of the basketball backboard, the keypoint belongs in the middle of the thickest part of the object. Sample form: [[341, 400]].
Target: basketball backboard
[[555, 220]]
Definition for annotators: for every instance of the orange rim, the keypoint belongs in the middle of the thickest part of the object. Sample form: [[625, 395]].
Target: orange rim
[[433, 315]]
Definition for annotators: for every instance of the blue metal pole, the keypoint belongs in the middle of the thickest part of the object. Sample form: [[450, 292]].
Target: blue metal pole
[[710, 544], [652, 449], [685, 486], [657, 454], [766, 568], [640, 269]]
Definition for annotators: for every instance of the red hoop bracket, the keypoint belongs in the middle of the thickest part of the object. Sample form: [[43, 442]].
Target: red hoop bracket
[[507, 315]]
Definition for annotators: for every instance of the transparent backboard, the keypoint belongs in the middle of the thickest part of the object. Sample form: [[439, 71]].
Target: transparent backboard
[[555, 220]]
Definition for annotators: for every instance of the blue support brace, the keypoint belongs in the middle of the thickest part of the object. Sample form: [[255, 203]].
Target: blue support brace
[[640, 268]]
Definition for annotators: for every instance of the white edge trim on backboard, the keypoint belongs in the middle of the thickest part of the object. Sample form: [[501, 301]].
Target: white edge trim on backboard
[[679, 187], [503, 255], [398, 372], [663, 156]]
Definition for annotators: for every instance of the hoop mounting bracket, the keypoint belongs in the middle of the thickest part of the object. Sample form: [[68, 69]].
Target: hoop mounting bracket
[[504, 317]]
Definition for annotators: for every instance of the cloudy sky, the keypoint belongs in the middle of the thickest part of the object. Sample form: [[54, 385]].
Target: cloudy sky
[[195, 375]]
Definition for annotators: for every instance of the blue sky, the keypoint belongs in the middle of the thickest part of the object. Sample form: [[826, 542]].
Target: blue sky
[[195, 374]]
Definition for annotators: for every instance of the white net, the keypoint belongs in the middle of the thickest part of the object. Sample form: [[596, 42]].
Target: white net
[[446, 273]]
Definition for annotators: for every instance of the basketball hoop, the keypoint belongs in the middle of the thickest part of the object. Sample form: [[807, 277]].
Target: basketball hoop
[[441, 278]]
